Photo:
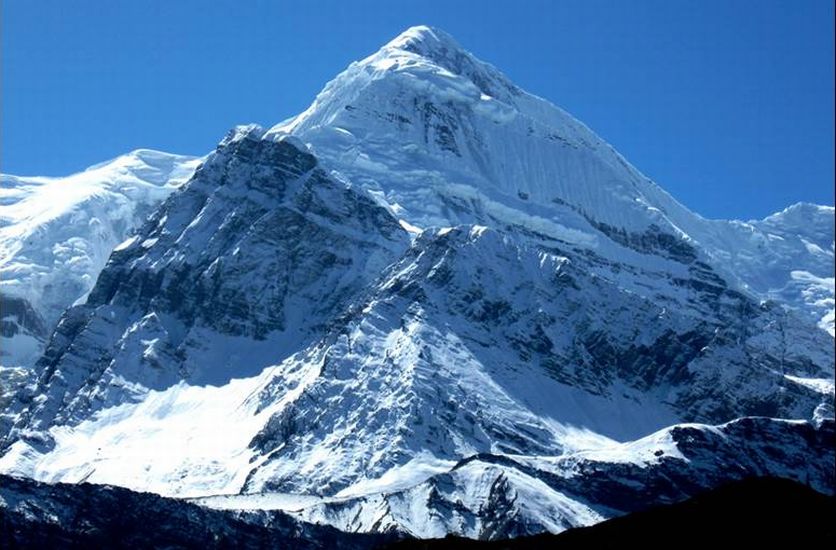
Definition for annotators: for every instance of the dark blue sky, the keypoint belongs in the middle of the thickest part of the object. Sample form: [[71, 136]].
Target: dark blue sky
[[729, 104]]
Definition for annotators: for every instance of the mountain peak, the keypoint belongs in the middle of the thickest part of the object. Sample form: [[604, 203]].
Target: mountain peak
[[425, 41], [424, 50]]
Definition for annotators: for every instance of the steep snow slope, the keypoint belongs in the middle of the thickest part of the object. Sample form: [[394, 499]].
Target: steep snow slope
[[462, 133], [444, 138], [57, 233]]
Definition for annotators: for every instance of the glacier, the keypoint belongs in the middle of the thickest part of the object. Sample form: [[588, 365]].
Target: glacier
[[431, 303]]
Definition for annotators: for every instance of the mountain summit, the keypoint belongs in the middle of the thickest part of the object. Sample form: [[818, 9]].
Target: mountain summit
[[428, 42], [434, 303]]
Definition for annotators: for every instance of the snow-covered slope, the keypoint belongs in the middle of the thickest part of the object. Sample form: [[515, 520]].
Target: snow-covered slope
[[473, 344], [57, 233], [434, 303]]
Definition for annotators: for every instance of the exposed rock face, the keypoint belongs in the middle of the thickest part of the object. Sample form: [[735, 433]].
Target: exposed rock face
[[19, 317]]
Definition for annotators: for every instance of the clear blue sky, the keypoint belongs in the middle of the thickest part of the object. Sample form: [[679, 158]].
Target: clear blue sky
[[727, 104]]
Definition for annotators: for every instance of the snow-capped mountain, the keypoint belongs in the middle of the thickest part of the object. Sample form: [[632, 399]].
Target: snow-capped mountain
[[444, 138], [433, 303], [57, 233]]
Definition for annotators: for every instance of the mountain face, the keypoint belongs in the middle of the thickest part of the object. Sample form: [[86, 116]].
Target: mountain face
[[57, 233], [433, 303], [446, 139], [204, 293]]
